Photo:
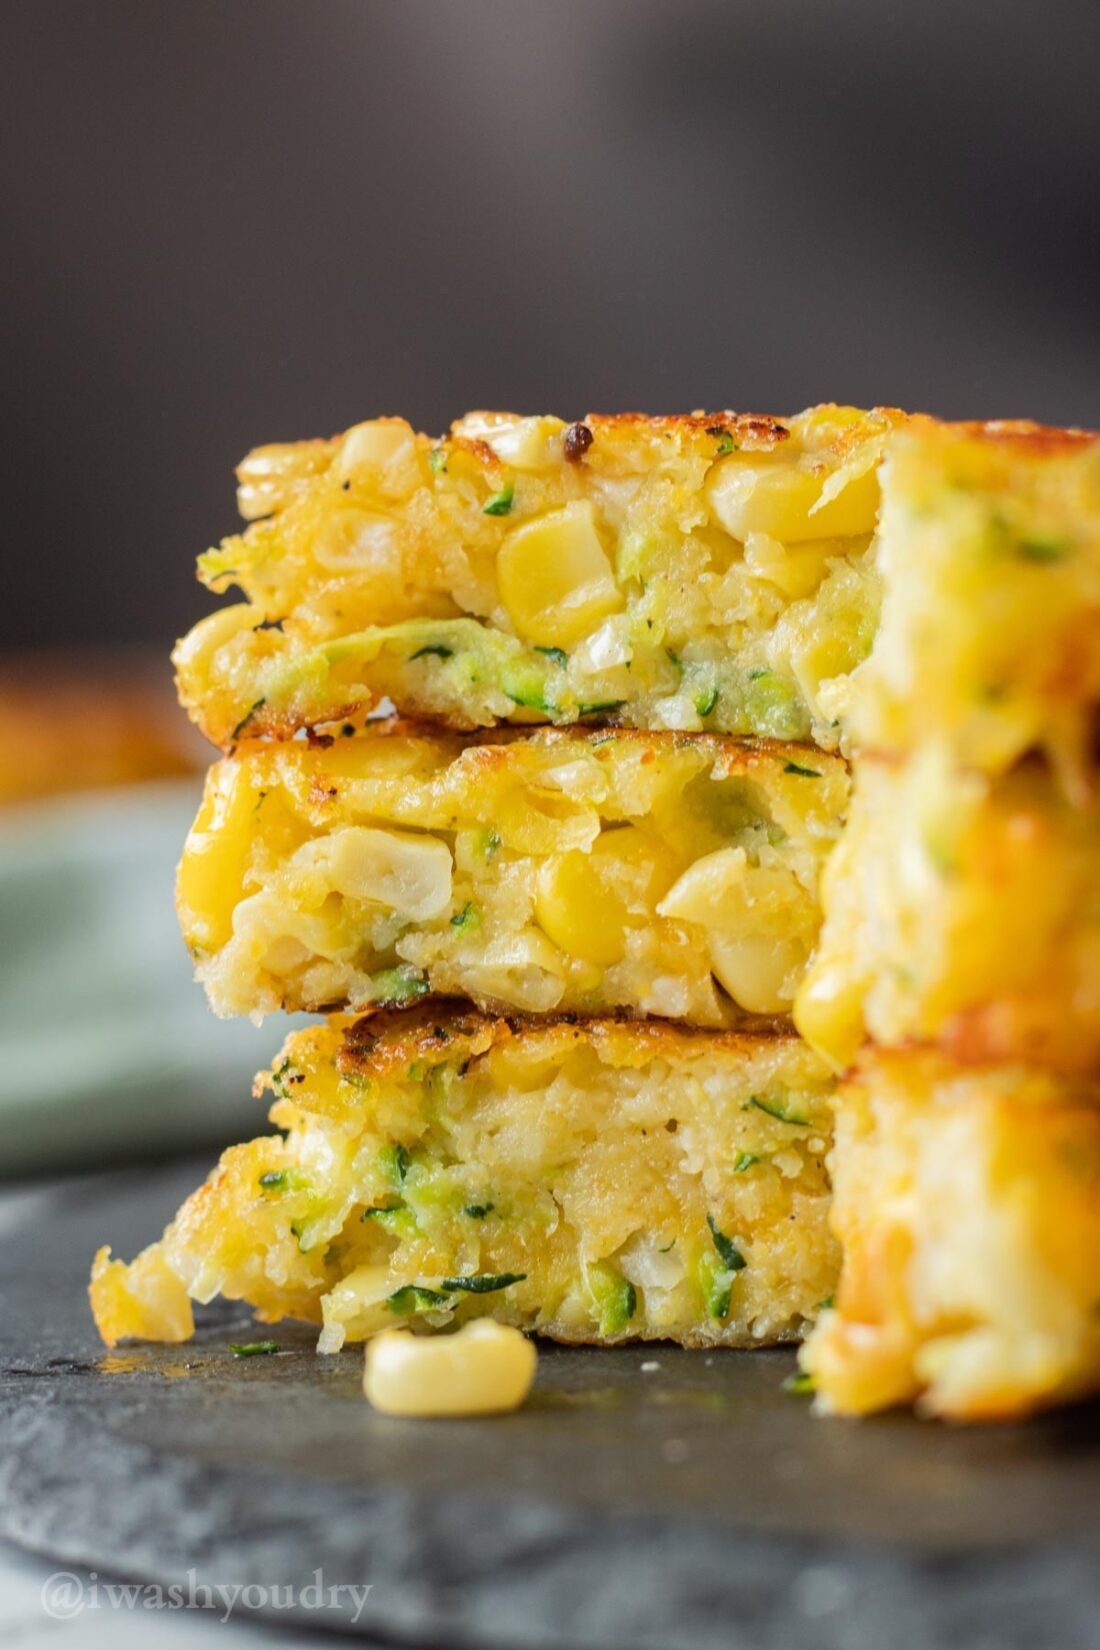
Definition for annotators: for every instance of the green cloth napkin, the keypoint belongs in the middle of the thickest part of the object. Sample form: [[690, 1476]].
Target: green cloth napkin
[[108, 1051]]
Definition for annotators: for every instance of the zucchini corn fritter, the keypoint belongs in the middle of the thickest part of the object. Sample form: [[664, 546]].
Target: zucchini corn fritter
[[963, 911], [666, 874], [709, 572], [705, 571], [594, 1181], [967, 1204], [921, 597]]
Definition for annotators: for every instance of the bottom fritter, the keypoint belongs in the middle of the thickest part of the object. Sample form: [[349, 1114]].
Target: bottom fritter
[[592, 1181], [967, 1202]]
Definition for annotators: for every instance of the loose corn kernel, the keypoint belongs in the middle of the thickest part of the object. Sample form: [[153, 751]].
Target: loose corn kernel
[[485, 1368], [756, 493], [410, 874], [587, 901], [555, 579]]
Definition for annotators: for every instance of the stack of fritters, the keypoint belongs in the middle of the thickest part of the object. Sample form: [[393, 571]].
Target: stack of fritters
[[623, 1136]]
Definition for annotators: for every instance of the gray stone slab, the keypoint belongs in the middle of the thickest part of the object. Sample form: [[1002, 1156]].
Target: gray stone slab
[[694, 1505]]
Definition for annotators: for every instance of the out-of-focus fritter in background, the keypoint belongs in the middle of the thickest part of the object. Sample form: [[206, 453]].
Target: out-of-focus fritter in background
[[236, 221]]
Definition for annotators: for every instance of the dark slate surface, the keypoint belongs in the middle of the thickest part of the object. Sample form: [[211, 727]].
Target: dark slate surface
[[695, 1505]]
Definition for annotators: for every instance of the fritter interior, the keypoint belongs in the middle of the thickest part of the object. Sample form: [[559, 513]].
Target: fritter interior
[[674, 875], [594, 1181], [700, 572]]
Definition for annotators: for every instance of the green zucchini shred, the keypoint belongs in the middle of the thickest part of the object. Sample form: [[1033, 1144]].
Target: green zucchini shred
[[728, 1252], [434, 650], [396, 987], [500, 503], [415, 1297], [394, 1162], [482, 1283], [776, 1109], [615, 1297]]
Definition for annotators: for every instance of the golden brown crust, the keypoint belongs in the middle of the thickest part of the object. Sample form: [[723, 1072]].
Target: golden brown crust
[[751, 429], [391, 1039], [729, 753]]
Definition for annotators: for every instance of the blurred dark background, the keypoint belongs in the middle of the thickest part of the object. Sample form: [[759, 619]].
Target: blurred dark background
[[232, 221]]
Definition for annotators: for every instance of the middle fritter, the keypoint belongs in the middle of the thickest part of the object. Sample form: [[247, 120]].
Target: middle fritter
[[656, 873]]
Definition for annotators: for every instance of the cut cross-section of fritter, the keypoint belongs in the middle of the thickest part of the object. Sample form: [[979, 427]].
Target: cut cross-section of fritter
[[989, 555], [961, 910], [696, 572], [967, 1203], [668, 874], [591, 1180]]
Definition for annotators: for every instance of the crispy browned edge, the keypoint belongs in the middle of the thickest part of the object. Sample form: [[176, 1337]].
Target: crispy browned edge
[[753, 430], [732, 753], [377, 1044]]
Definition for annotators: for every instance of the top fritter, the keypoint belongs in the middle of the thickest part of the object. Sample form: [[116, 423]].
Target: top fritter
[[712, 571], [706, 571]]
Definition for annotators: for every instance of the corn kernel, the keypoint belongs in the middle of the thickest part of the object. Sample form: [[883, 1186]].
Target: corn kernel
[[828, 1011], [485, 1368], [749, 912], [349, 540], [701, 894], [555, 579], [760, 971], [194, 655], [587, 901], [269, 477], [579, 912], [410, 874], [523, 970], [755, 493], [210, 880], [384, 446], [521, 443], [796, 571]]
